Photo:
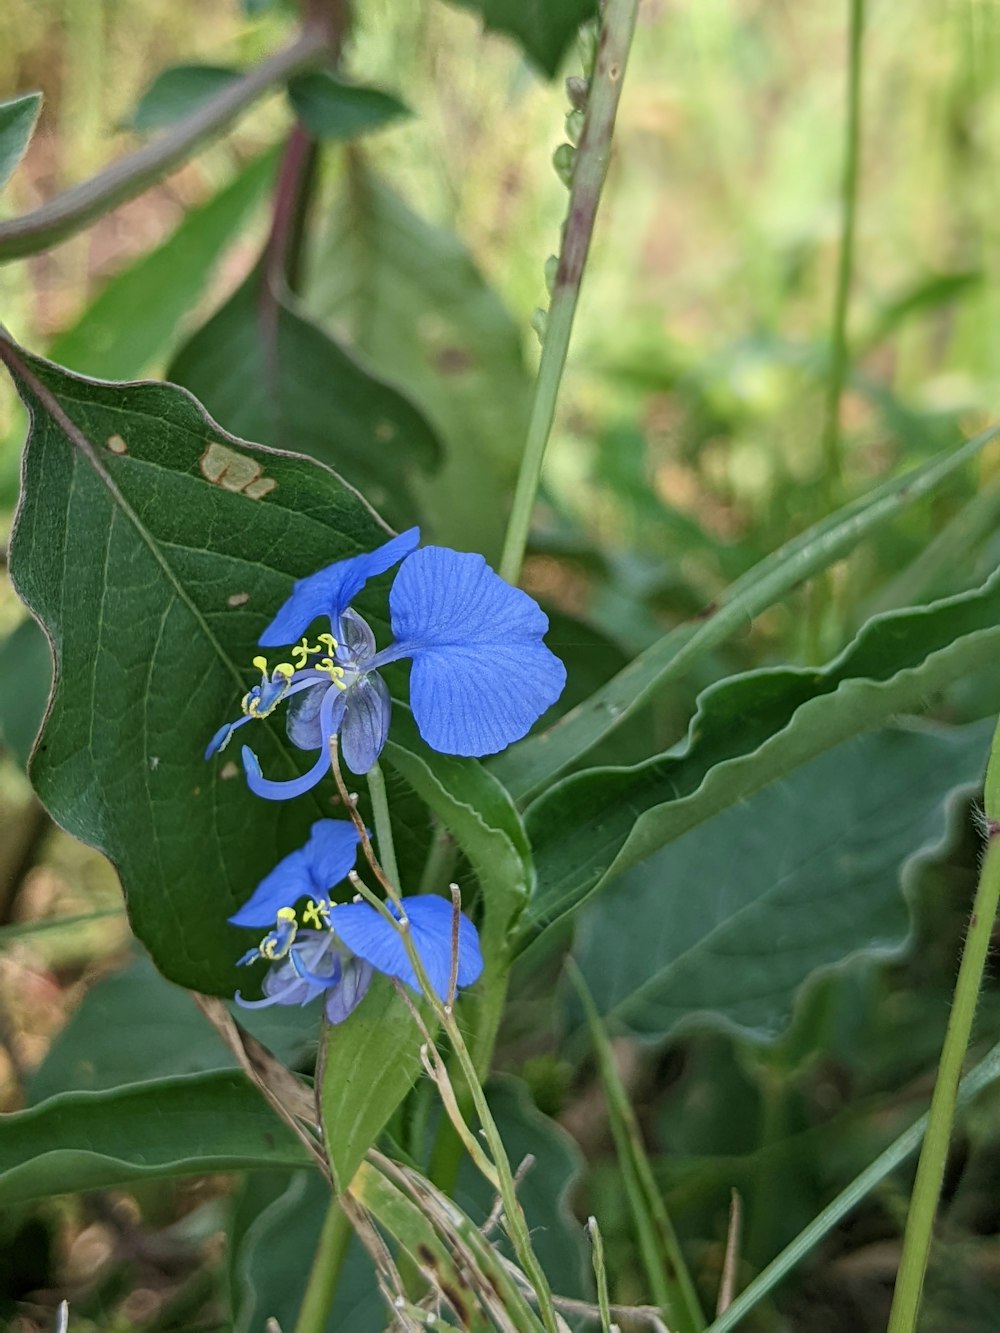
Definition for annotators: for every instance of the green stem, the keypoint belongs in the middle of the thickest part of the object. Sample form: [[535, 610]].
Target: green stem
[[934, 1154], [831, 446], [71, 211], [383, 826], [326, 1265], [589, 170]]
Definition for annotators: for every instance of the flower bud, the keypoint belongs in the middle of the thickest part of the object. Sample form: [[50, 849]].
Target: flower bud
[[577, 90], [574, 126], [562, 160]]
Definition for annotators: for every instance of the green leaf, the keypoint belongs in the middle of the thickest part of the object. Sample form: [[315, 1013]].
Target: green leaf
[[25, 679], [155, 548], [18, 116], [526, 767], [369, 1065], [479, 814], [167, 1127], [273, 1254], [133, 322], [134, 1025], [268, 373], [176, 92], [749, 731], [331, 109], [544, 28], [420, 311], [725, 925]]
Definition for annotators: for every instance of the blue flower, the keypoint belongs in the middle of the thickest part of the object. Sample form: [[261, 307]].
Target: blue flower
[[308, 872], [480, 675], [340, 960]]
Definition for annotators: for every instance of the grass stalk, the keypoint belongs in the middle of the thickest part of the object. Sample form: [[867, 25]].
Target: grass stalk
[[324, 1274]]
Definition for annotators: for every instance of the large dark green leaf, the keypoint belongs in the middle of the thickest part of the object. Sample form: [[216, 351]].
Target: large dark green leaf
[[544, 28], [132, 324], [419, 309], [268, 373], [749, 731], [25, 680], [154, 548], [167, 1127], [17, 122], [725, 924]]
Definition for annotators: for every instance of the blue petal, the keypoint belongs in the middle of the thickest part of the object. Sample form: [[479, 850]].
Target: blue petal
[[481, 675], [289, 881], [331, 710], [302, 717], [367, 934], [366, 722], [330, 852], [345, 998], [330, 591]]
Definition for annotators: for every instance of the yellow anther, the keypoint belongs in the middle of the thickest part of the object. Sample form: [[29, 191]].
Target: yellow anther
[[283, 669], [330, 641], [335, 672], [261, 664], [286, 913], [301, 652]]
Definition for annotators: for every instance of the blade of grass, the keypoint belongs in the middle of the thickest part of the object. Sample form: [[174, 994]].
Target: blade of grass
[[670, 1282]]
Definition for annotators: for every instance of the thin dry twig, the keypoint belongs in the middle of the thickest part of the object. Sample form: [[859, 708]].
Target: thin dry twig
[[496, 1212], [456, 922]]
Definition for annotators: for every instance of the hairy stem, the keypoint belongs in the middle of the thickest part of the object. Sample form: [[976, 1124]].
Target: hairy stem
[[71, 211], [589, 170], [934, 1154]]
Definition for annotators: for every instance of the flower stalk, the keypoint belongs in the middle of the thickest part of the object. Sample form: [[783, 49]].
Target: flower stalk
[[589, 169]]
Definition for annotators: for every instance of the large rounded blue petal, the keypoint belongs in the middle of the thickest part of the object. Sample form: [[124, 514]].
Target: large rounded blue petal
[[367, 711], [329, 592], [481, 674], [330, 853], [289, 881], [367, 934]]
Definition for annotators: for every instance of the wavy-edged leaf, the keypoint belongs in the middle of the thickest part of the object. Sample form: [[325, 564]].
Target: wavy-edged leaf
[[18, 117], [749, 731], [166, 1127], [332, 109], [724, 925], [526, 767], [154, 548], [268, 373]]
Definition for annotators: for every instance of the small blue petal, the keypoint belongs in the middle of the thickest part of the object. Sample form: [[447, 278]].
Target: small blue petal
[[342, 1000], [330, 852], [481, 674], [367, 934], [330, 713], [367, 712], [330, 591], [302, 718]]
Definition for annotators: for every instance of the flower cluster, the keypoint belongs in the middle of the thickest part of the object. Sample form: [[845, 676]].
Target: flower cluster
[[332, 949], [480, 677]]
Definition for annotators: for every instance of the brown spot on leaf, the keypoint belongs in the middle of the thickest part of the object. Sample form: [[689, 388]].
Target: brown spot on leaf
[[238, 599], [117, 445], [228, 771], [234, 471], [453, 361], [385, 431]]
